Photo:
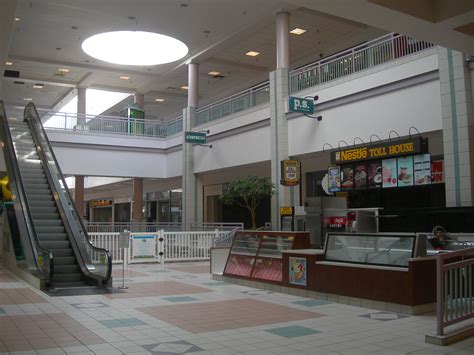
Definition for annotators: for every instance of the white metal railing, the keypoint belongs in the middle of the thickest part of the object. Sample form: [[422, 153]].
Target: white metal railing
[[361, 57], [356, 59], [222, 226], [251, 97], [103, 227], [83, 123], [455, 283], [159, 246]]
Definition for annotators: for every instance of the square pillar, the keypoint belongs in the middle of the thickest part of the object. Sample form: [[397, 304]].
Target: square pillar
[[458, 127]]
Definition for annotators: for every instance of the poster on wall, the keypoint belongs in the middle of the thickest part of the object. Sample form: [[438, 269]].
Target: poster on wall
[[389, 173], [360, 176], [422, 169], [334, 179], [375, 174], [437, 172], [405, 171], [347, 178], [143, 247], [297, 274]]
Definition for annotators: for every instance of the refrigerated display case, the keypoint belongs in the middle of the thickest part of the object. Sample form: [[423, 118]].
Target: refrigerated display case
[[258, 255]]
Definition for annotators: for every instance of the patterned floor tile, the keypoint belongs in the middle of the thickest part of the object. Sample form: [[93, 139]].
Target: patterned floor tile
[[216, 283], [184, 277], [292, 331], [179, 299], [384, 316], [175, 347], [311, 303], [191, 269], [19, 296], [2, 311], [125, 322], [222, 315], [257, 292], [160, 288], [4, 277], [89, 305]]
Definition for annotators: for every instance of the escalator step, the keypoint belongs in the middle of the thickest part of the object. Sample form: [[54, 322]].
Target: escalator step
[[50, 229], [42, 206], [73, 277], [55, 244], [63, 260], [52, 236], [41, 215], [47, 222], [69, 284], [67, 269]]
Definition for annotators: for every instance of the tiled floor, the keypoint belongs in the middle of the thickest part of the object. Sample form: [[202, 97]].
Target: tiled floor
[[169, 309]]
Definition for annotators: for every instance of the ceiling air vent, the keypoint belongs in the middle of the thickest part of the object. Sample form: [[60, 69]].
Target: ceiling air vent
[[19, 82], [11, 74]]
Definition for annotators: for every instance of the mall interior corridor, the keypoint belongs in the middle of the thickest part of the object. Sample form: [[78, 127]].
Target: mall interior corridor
[[176, 308]]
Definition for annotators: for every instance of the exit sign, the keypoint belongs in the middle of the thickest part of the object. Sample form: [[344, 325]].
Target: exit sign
[[298, 104], [195, 137]]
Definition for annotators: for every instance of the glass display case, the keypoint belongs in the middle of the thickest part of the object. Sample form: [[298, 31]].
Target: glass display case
[[258, 255], [372, 249]]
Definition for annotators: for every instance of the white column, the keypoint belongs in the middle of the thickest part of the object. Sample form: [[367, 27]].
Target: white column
[[279, 81], [283, 39], [139, 99], [81, 106], [458, 127], [193, 84], [189, 196]]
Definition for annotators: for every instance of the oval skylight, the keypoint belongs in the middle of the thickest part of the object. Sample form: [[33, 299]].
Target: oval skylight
[[134, 48]]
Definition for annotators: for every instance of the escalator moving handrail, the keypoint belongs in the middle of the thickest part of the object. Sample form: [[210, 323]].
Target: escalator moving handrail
[[35, 122], [12, 160]]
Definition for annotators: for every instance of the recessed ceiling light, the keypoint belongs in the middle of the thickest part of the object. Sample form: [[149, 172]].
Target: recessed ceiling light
[[184, 87], [124, 77], [38, 86], [159, 100], [28, 99], [214, 73], [9, 63], [17, 18], [252, 53], [298, 31], [63, 70], [148, 48]]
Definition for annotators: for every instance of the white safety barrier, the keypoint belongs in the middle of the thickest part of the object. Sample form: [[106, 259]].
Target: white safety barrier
[[159, 246]]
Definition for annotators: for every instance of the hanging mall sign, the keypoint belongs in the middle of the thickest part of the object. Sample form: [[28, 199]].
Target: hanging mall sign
[[298, 104], [195, 137], [410, 146], [290, 172]]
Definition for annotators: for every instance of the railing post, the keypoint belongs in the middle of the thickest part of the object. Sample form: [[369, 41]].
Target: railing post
[[440, 292], [161, 245]]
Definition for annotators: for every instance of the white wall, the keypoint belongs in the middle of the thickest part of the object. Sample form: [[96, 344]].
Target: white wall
[[417, 105]]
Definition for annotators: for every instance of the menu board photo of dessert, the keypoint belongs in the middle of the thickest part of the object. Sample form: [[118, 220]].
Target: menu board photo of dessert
[[422, 169], [375, 174], [347, 178], [389, 173], [360, 176], [405, 171], [334, 179]]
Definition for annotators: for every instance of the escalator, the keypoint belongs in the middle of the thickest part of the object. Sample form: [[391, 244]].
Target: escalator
[[54, 240]]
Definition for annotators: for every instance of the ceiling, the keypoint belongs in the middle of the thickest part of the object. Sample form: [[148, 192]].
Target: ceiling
[[49, 34]]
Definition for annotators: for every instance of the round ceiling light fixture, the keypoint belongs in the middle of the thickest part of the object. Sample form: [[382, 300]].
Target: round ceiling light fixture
[[134, 48]]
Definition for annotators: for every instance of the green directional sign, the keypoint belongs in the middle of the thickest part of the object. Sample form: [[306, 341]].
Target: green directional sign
[[298, 104], [195, 137]]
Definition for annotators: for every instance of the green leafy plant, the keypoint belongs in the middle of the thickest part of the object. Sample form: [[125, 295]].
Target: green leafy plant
[[248, 192]]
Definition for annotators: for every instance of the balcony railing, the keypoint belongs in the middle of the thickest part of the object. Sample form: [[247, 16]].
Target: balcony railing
[[356, 59], [80, 123], [246, 99]]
